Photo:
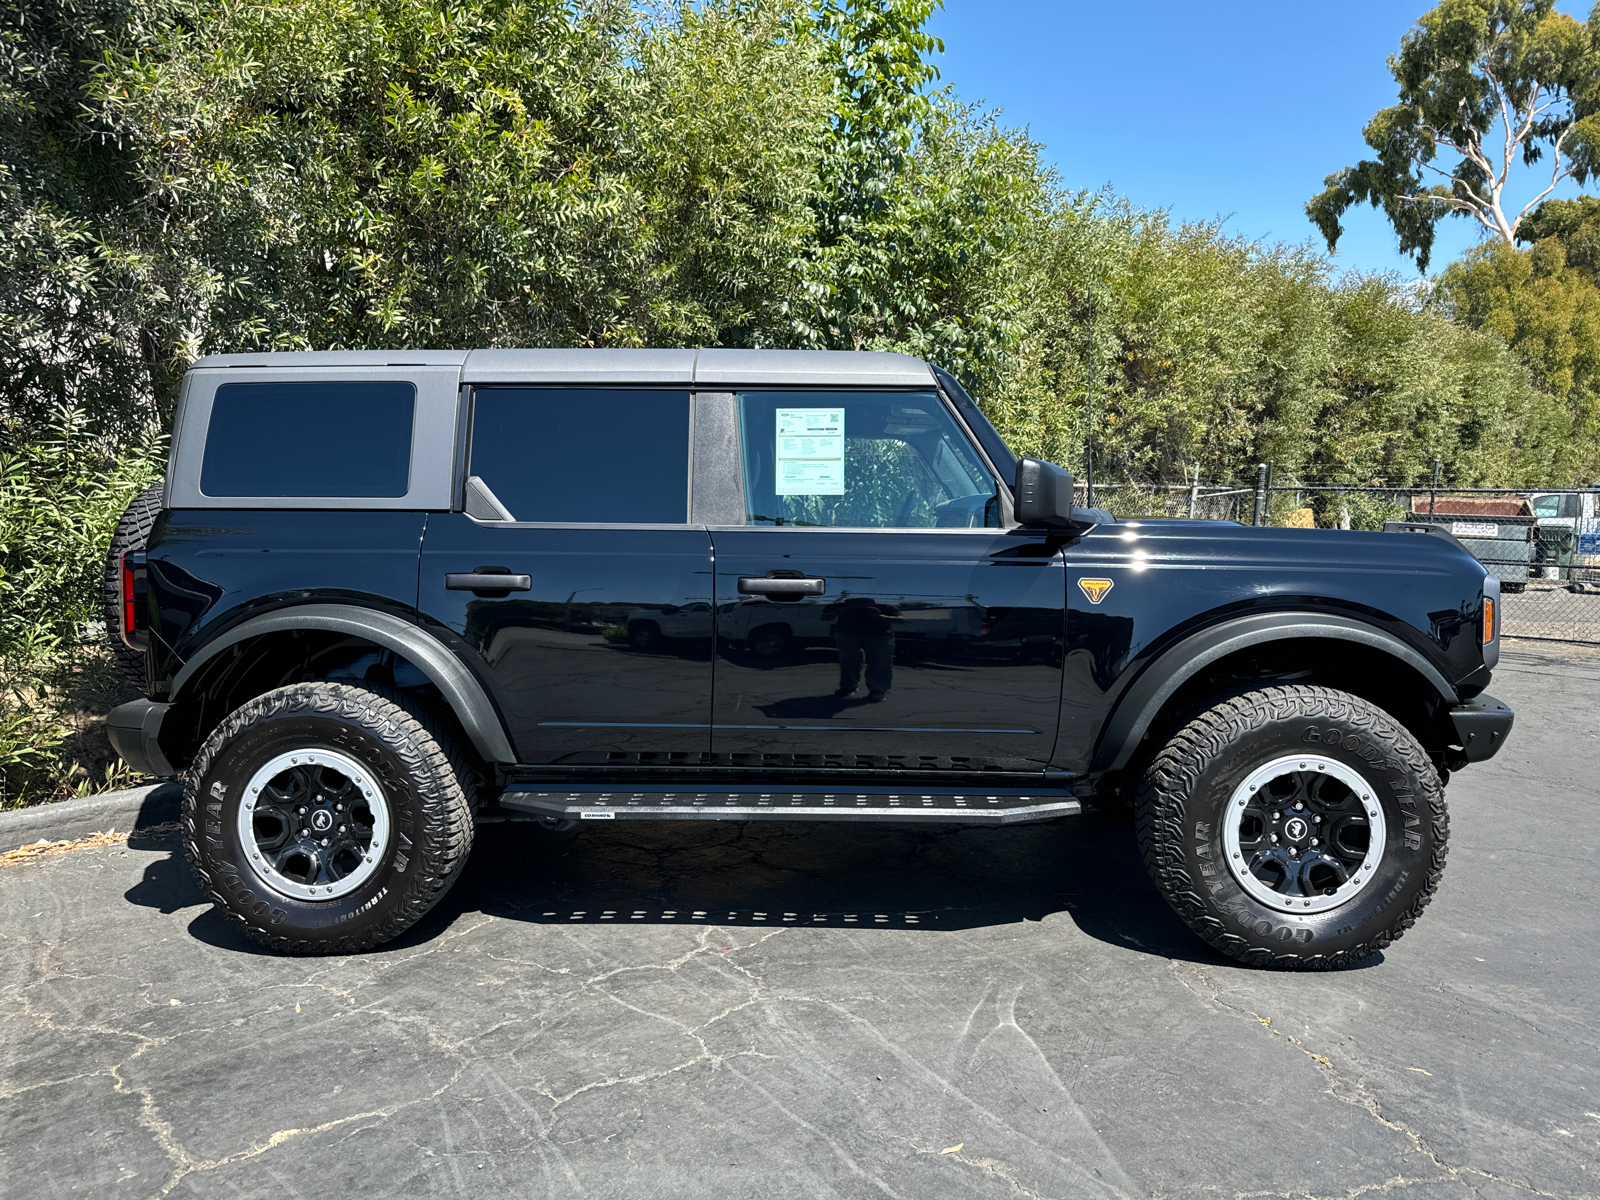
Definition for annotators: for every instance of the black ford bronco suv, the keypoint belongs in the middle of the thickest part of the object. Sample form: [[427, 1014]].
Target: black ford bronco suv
[[389, 598]]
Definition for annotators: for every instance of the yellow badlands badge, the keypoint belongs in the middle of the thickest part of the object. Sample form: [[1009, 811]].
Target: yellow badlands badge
[[1095, 589]]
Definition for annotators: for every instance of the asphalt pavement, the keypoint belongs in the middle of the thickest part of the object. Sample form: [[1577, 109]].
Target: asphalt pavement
[[719, 1010]]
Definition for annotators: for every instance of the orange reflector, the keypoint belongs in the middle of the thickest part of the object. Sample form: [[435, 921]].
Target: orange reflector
[[1488, 621]]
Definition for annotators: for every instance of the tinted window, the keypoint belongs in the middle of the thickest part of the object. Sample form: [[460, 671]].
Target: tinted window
[[309, 439], [1555, 506], [584, 454], [860, 459]]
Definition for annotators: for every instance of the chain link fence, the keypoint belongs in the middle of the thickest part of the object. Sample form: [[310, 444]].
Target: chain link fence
[[1543, 545]]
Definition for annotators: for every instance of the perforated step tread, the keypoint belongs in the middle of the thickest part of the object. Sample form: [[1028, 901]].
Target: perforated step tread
[[992, 806]]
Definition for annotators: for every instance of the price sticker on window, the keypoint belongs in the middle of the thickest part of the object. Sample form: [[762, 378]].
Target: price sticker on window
[[810, 458]]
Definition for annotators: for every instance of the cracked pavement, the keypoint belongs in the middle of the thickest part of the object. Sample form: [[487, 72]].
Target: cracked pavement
[[816, 1011]]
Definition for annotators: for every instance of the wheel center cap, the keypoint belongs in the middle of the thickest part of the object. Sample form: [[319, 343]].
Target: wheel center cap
[[322, 820], [1296, 829]]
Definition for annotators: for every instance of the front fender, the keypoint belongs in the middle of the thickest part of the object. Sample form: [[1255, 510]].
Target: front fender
[[1143, 700]]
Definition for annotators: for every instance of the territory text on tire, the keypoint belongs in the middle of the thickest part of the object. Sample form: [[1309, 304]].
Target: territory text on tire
[[1294, 826], [324, 819]]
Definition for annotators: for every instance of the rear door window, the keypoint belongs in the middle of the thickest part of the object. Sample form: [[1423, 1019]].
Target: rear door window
[[877, 460], [344, 438], [584, 455]]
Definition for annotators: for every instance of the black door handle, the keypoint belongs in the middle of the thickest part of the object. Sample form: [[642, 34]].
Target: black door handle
[[765, 585], [487, 581]]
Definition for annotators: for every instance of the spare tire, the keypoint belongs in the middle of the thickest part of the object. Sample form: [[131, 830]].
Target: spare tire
[[132, 534]]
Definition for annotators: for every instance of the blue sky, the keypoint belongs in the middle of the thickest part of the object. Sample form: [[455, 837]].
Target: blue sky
[[1233, 109]]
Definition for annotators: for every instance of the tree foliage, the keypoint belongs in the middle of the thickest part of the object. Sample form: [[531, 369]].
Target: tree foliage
[[1545, 304], [920, 201], [1213, 353], [1467, 70], [183, 176]]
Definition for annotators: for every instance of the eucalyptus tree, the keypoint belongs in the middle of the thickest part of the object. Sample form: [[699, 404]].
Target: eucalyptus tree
[[1484, 85]]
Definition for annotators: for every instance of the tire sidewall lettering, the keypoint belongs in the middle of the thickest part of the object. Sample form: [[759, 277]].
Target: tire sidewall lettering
[[1409, 840], [246, 891]]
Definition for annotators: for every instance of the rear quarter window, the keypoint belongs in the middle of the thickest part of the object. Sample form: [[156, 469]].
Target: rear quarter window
[[310, 439]]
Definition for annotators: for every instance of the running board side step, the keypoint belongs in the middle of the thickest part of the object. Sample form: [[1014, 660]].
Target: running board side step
[[980, 806]]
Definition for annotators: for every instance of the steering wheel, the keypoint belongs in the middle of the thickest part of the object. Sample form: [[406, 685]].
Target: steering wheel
[[907, 508]]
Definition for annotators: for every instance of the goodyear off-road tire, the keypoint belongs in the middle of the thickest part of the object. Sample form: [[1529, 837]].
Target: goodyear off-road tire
[[402, 786], [1241, 785], [131, 535]]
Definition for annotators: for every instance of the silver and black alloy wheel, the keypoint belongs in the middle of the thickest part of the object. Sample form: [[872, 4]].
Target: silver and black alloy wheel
[[1304, 833], [325, 818], [1294, 826], [317, 821]]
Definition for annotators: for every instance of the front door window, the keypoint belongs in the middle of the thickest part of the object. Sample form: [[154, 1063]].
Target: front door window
[[860, 460]]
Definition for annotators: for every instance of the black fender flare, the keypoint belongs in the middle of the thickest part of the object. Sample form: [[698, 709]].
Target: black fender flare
[[460, 688], [1142, 702]]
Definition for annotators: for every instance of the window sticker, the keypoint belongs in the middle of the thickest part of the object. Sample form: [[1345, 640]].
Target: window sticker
[[810, 457]]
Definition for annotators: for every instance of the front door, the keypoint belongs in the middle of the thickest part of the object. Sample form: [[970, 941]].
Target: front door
[[598, 649], [871, 614]]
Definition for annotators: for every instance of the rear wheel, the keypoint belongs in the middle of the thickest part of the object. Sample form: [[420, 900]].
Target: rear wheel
[[325, 819], [1295, 826], [644, 635]]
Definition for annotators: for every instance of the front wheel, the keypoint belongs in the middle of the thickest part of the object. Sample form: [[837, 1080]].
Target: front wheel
[[326, 819], [1296, 827]]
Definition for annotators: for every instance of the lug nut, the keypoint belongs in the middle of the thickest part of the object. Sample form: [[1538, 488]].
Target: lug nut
[[305, 833], [1274, 837], [324, 841], [1318, 820], [1293, 853], [1297, 805], [1277, 816], [1313, 841], [301, 810], [341, 830]]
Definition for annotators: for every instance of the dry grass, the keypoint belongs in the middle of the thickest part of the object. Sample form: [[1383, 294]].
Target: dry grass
[[94, 841]]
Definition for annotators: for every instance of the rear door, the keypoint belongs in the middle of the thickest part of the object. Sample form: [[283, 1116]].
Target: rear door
[[597, 648], [871, 614]]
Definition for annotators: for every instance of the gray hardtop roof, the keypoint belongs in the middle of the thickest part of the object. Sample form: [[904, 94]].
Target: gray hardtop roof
[[705, 368]]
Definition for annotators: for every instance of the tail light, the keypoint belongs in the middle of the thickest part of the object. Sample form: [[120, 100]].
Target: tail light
[[132, 597]]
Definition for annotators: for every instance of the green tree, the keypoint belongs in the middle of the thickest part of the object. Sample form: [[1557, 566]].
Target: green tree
[[1575, 223], [1215, 353], [1548, 312], [921, 201], [1466, 68], [80, 311]]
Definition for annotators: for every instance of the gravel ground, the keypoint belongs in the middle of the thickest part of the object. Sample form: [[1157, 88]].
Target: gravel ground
[[811, 1011]]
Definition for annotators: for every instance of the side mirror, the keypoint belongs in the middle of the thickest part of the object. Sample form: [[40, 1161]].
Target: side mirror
[[1044, 495]]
